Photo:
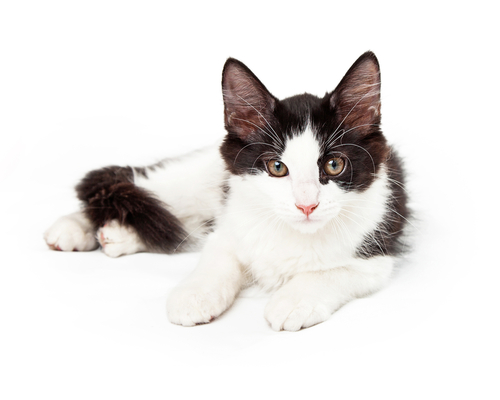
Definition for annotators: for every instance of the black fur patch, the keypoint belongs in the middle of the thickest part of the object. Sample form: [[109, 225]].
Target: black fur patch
[[109, 193], [346, 123], [387, 237], [143, 171]]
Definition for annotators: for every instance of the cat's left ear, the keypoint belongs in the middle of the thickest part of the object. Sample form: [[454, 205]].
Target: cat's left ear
[[248, 105], [356, 100]]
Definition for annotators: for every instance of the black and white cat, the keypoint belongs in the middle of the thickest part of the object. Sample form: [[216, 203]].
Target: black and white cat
[[303, 197]]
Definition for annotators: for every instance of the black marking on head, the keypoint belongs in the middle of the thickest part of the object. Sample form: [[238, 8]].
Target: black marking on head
[[249, 120], [346, 123], [109, 193]]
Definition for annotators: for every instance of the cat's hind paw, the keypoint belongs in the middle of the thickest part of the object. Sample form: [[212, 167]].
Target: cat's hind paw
[[118, 240], [72, 232]]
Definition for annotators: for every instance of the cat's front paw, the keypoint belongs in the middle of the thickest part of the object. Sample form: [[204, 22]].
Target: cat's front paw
[[293, 314], [291, 308], [193, 305]]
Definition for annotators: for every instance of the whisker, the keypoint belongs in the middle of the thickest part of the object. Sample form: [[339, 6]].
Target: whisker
[[267, 122], [362, 148], [250, 144], [371, 93]]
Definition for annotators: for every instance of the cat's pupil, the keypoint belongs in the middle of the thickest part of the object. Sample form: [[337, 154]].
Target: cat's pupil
[[277, 168], [334, 166]]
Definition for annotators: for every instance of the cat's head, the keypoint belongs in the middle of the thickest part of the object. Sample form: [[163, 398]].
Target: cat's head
[[304, 156]]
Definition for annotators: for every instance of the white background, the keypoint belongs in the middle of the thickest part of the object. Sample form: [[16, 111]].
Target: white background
[[88, 84]]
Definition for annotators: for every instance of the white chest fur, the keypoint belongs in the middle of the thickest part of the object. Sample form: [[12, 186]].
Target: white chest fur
[[271, 251]]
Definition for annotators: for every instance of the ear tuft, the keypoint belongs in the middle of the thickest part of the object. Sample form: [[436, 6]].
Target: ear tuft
[[248, 105], [356, 100]]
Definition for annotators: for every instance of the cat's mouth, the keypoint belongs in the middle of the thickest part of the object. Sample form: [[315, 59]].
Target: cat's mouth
[[314, 221], [310, 220], [308, 224]]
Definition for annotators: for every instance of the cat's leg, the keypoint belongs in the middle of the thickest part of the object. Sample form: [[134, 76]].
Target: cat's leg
[[118, 240], [73, 232], [311, 297], [164, 208], [210, 289], [128, 219]]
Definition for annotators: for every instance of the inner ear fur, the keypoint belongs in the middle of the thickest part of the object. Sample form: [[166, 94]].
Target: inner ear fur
[[248, 105], [356, 100]]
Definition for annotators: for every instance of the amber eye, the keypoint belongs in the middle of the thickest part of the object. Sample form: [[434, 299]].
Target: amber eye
[[334, 166], [277, 168]]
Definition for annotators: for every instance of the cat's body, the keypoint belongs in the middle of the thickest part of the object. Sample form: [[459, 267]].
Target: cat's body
[[303, 198]]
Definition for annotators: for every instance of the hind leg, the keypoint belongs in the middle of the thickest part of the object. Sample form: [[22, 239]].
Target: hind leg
[[117, 240], [73, 232]]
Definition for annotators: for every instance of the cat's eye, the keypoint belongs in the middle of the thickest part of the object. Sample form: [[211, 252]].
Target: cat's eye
[[334, 166], [277, 168]]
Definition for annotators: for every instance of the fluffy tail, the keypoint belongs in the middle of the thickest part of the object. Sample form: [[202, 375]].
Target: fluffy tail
[[110, 193]]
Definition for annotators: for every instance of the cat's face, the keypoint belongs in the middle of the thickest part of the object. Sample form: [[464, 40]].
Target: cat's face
[[307, 158]]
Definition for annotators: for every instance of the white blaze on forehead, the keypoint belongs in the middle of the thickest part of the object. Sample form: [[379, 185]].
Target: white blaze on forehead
[[301, 157]]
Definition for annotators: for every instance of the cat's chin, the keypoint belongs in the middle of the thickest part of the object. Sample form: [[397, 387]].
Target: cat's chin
[[308, 226]]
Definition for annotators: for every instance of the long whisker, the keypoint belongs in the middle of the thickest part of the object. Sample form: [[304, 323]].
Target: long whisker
[[271, 132], [368, 233], [267, 122], [278, 142], [362, 148], [335, 138], [371, 93], [250, 144], [389, 208]]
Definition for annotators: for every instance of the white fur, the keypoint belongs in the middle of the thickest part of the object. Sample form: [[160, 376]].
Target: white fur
[[117, 240], [71, 232], [261, 237], [309, 298], [181, 183], [191, 187], [211, 290], [74, 232], [310, 261]]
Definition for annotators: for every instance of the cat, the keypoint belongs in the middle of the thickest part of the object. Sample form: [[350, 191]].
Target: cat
[[303, 197]]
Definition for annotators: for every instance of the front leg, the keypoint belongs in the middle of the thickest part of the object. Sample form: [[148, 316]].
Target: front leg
[[311, 297], [210, 289]]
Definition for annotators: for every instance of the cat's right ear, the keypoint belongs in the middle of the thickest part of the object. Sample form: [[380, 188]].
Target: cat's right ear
[[248, 105]]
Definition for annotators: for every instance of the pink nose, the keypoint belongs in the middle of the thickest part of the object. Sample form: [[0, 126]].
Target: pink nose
[[307, 209]]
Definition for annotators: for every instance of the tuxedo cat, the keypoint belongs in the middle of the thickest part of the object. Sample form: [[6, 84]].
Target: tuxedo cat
[[303, 197]]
